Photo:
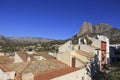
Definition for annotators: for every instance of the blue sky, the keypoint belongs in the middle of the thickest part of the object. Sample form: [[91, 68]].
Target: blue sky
[[58, 19]]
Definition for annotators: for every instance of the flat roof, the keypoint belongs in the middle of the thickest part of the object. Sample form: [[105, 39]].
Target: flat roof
[[86, 54]]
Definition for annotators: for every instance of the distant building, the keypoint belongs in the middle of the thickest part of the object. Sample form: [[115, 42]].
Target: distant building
[[104, 56], [2, 54], [115, 53]]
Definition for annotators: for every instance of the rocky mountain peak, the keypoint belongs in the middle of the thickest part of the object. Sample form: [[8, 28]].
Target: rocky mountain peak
[[85, 28], [102, 28]]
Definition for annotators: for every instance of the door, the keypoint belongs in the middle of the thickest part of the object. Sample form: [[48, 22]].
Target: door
[[73, 62]]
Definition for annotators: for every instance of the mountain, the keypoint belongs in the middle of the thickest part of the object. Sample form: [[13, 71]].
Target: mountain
[[86, 28], [102, 28], [29, 39], [23, 39]]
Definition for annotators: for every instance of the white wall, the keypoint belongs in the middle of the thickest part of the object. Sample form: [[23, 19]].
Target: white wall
[[64, 57], [67, 59], [87, 48], [3, 75], [17, 58], [96, 43], [6, 75], [67, 47], [28, 76], [79, 64]]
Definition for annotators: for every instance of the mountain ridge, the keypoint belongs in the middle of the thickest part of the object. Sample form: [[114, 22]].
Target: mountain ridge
[[4, 39], [102, 28]]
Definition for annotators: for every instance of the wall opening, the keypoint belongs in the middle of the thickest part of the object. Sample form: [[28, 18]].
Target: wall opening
[[73, 62]]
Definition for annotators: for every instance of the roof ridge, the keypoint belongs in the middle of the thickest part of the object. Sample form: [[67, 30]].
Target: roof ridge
[[25, 67]]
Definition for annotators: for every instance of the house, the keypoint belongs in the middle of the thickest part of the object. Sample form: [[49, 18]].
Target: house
[[73, 56], [77, 55], [43, 70], [78, 59], [104, 58]]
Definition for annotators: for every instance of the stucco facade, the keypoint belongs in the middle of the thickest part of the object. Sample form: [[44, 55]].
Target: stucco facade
[[67, 59], [7, 75], [64, 57], [67, 47]]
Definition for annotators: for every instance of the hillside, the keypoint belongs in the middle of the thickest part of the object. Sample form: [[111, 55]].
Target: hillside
[[11, 44]]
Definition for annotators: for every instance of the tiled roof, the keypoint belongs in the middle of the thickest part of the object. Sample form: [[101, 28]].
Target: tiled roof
[[36, 66], [5, 59], [23, 55], [40, 66], [54, 73], [43, 54], [42, 70], [4, 68], [17, 67]]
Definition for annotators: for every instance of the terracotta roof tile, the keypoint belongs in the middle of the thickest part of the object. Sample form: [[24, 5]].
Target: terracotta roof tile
[[4, 68], [17, 67], [36, 66], [47, 68], [23, 55], [40, 66], [5, 59], [54, 73], [43, 54]]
